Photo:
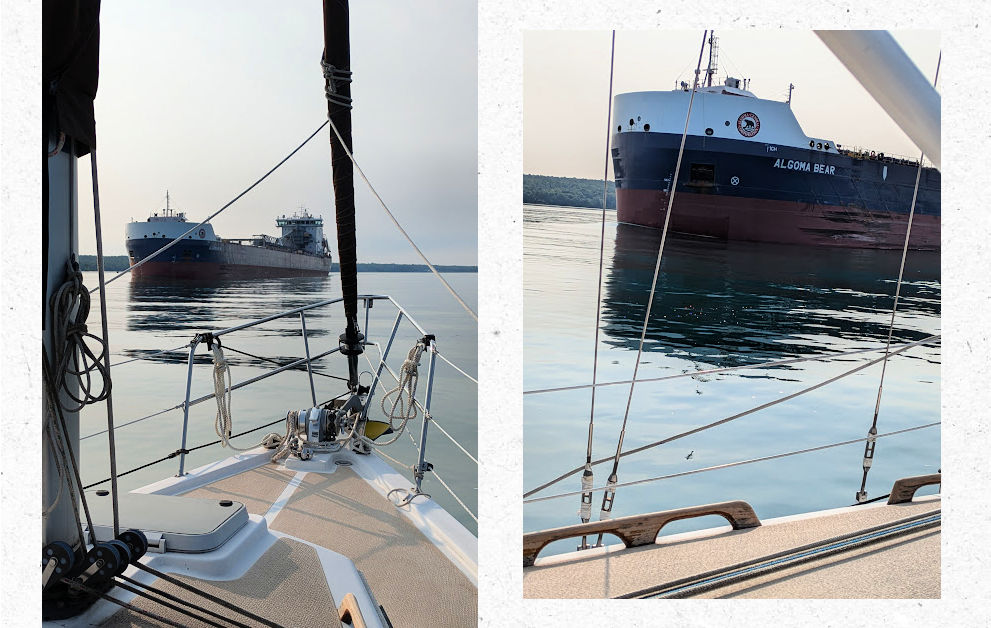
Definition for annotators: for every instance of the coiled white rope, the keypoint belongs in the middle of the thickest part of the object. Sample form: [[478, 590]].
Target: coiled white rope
[[223, 424], [408, 377], [289, 437]]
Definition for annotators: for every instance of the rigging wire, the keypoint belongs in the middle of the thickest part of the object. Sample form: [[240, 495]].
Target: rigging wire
[[93, 592], [147, 594], [184, 451], [738, 415], [609, 495], [433, 419], [861, 495], [179, 583], [62, 431], [455, 366], [727, 369], [151, 355], [149, 589], [588, 478], [216, 213], [732, 464], [106, 342], [470, 311]]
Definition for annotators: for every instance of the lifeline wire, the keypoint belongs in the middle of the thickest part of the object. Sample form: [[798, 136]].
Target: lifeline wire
[[214, 214], [608, 496], [433, 420], [585, 513], [732, 464], [869, 446], [773, 402], [727, 369], [470, 311]]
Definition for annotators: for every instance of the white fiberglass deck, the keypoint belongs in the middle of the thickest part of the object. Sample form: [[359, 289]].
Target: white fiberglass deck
[[316, 535]]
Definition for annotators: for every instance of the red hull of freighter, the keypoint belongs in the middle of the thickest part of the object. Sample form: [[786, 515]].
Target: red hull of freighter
[[208, 270], [785, 222]]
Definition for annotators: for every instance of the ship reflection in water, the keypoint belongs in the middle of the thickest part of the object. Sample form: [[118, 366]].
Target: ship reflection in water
[[720, 304], [181, 308], [734, 303]]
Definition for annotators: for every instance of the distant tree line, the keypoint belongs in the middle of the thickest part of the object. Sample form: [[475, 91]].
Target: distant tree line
[[119, 262], [567, 191]]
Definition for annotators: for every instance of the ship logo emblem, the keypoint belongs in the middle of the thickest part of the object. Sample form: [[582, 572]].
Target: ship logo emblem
[[748, 124], [735, 180]]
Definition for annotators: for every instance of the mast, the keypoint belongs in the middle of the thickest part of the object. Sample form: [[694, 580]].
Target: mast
[[713, 58], [337, 73], [70, 74]]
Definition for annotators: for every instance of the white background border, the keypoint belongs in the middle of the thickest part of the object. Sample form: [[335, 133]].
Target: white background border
[[966, 374]]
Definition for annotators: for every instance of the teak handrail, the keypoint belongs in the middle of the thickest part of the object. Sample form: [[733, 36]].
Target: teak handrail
[[904, 489], [636, 530]]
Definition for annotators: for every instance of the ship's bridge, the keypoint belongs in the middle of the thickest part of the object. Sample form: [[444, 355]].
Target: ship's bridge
[[725, 111], [302, 232]]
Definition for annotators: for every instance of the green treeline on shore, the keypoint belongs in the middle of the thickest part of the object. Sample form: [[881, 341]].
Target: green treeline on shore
[[119, 262], [539, 189]]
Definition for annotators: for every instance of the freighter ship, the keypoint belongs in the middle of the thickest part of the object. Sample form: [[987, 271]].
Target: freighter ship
[[301, 250], [750, 173]]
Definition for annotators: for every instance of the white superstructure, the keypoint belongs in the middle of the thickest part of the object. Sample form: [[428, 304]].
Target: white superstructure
[[720, 111]]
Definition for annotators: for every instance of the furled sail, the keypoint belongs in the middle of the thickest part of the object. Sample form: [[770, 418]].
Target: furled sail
[[337, 72]]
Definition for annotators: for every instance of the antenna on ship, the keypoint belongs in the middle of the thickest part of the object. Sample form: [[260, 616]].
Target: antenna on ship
[[713, 58], [791, 88]]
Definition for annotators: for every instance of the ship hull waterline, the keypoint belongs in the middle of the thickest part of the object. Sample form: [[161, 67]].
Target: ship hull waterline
[[779, 222], [756, 192], [221, 260]]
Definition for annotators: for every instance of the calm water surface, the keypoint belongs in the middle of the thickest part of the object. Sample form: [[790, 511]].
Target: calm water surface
[[148, 316], [720, 304]]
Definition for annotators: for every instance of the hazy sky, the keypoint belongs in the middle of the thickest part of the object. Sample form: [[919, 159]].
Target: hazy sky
[[566, 87], [202, 98]]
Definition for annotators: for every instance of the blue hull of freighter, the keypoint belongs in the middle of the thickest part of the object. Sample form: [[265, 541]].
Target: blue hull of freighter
[[749, 173]]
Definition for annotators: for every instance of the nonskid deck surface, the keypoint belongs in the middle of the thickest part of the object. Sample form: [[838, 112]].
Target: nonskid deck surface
[[415, 583], [286, 585], [903, 567]]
